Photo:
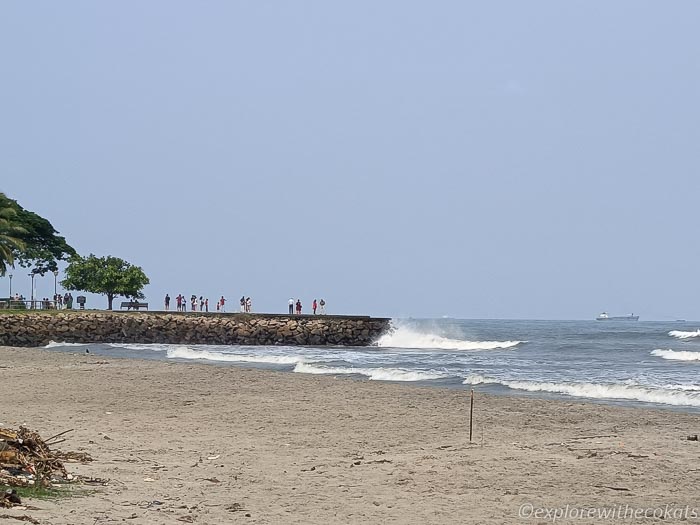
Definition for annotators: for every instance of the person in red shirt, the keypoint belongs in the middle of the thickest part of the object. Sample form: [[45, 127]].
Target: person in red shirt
[[313, 306]]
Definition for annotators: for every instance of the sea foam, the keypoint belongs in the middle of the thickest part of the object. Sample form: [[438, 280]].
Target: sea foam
[[403, 337], [154, 347], [679, 334], [675, 396], [184, 352], [374, 374], [54, 344], [674, 355]]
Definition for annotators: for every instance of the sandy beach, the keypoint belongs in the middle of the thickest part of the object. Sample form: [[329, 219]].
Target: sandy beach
[[210, 444]]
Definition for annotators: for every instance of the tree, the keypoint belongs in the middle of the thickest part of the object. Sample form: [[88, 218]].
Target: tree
[[39, 245], [9, 237], [108, 276]]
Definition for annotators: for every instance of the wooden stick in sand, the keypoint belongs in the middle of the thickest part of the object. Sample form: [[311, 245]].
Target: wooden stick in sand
[[471, 410]]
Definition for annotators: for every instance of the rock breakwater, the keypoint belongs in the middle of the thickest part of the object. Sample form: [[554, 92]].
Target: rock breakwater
[[39, 328]]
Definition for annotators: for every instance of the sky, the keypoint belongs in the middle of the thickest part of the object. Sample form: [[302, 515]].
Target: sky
[[505, 159]]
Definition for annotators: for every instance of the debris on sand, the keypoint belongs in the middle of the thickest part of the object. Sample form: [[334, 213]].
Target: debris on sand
[[10, 498], [26, 460]]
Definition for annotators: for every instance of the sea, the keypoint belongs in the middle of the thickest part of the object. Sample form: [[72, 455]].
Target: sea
[[650, 364]]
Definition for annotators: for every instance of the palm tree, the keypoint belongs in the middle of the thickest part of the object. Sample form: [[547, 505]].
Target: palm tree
[[9, 242]]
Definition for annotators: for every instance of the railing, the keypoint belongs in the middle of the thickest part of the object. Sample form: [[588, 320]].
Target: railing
[[23, 304]]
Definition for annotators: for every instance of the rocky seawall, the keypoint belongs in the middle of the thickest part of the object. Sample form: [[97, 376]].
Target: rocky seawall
[[39, 328]]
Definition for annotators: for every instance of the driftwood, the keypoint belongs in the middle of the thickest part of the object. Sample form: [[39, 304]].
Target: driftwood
[[622, 489], [26, 459], [19, 518]]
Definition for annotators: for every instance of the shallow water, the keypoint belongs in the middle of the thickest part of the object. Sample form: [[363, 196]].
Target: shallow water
[[630, 363]]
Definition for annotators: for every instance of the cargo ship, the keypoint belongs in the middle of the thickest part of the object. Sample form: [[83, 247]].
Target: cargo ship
[[605, 317]]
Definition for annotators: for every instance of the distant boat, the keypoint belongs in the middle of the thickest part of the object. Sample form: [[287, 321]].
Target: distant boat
[[605, 317]]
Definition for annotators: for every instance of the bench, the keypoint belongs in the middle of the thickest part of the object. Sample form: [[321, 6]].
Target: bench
[[133, 305]]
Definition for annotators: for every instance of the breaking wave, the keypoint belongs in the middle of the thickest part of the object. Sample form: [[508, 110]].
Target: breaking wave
[[673, 355], [680, 395], [374, 374], [402, 337], [684, 335], [184, 352], [136, 346], [54, 344]]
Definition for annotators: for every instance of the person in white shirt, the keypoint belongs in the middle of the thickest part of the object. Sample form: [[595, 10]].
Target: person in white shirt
[[291, 306]]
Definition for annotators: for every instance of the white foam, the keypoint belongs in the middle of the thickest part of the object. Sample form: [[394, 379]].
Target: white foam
[[403, 337], [374, 374], [674, 355], [476, 379], [685, 388], [54, 344], [682, 397], [684, 335], [187, 353], [137, 346]]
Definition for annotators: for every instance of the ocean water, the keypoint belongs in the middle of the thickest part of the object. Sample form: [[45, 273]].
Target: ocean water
[[630, 363]]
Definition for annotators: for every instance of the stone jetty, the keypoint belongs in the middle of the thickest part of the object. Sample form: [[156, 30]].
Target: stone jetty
[[31, 329]]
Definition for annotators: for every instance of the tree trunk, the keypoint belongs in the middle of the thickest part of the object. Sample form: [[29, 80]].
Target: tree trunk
[[110, 298]]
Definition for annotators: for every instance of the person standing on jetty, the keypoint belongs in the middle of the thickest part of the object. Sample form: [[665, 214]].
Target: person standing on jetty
[[201, 303], [193, 300], [298, 307], [242, 301], [206, 305], [222, 302], [291, 306], [314, 306], [167, 302], [248, 305], [322, 304]]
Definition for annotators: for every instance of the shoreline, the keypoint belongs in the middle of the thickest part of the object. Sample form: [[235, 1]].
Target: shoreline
[[456, 383], [297, 448]]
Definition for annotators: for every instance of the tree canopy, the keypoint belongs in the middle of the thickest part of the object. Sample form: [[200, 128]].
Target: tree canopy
[[9, 238], [29, 240], [110, 276]]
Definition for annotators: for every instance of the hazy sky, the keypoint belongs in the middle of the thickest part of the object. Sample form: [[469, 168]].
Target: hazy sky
[[473, 159]]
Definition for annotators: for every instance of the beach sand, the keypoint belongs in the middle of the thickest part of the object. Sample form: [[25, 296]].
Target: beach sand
[[190, 443]]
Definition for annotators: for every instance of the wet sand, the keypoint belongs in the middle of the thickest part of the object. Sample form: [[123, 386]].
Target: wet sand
[[190, 443]]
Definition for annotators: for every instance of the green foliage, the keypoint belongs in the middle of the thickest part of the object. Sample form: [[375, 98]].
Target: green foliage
[[108, 276], [33, 241], [37, 492], [9, 236]]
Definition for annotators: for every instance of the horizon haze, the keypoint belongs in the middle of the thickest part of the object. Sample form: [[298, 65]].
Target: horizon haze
[[512, 160]]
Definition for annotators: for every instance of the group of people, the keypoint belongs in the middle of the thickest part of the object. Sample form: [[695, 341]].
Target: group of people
[[59, 302], [202, 303], [297, 307], [246, 305], [62, 301]]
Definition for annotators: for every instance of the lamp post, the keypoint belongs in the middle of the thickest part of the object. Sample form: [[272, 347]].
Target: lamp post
[[55, 276], [32, 276], [10, 276]]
